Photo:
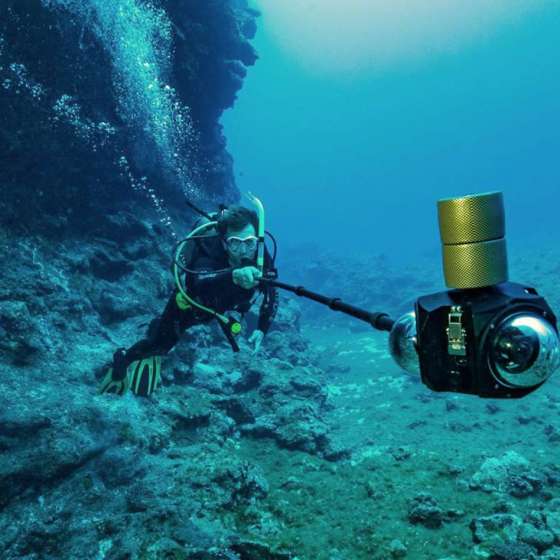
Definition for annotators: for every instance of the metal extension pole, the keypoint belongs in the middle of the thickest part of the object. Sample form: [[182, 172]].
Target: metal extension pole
[[378, 320]]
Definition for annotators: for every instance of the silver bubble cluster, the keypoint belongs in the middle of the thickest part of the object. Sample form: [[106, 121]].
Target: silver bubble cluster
[[15, 78], [138, 37], [141, 185], [66, 110]]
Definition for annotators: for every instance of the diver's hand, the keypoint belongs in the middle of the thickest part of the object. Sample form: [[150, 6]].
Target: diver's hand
[[247, 277], [256, 339]]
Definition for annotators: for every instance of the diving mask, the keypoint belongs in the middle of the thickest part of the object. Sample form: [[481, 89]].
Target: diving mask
[[240, 245]]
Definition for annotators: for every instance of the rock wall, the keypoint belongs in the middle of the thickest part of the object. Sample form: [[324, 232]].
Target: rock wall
[[108, 104]]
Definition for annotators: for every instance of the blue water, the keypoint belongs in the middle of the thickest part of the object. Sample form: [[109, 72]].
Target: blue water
[[357, 162]]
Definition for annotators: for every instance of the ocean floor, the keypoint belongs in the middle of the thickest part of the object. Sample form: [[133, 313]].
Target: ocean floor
[[409, 446], [318, 448]]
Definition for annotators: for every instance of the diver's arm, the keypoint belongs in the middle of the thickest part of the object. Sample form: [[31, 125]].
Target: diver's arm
[[208, 279]]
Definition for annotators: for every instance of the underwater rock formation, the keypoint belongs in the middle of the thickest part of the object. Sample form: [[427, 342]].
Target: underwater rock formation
[[124, 470], [424, 510], [509, 536], [509, 474], [104, 100]]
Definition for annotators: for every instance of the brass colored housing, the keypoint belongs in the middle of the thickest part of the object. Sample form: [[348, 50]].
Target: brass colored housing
[[472, 230]]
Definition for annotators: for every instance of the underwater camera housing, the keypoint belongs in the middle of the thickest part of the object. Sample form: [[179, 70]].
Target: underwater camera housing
[[498, 342], [486, 336]]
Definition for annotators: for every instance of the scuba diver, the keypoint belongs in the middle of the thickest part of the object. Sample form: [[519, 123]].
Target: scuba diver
[[223, 274], [484, 336]]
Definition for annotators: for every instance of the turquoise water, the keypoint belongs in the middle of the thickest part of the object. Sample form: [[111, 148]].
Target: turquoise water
[[354, 162], [358, 159]]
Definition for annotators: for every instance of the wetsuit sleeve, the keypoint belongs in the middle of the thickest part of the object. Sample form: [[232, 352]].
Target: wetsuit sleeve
[[208, 281], [268, 309]]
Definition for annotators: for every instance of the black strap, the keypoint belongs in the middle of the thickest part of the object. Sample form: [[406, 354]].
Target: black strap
[[197, 209], [227, 331]]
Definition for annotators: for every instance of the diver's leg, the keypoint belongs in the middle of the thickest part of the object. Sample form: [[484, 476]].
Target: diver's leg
[[144, 375], [145, 355], [163, 334]]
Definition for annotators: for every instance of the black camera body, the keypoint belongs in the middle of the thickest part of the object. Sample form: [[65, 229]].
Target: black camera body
[[456, 337]]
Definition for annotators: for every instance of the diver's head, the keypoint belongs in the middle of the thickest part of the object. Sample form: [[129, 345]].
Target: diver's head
[[238, 228]]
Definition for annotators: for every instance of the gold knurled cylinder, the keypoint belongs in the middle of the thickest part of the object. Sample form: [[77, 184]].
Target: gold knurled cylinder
[[475, 265], [472, 218], [472, 230]]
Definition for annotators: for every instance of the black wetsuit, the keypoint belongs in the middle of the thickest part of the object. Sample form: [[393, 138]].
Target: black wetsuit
[[213, 287]]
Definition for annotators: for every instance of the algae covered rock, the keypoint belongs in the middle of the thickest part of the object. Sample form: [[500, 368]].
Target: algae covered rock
[[424, 510], [20, 339], [498, 528], [397, 549], [512, 551], [511, 474], [508, 536], [551, 554], [553, 523], [538, 537]]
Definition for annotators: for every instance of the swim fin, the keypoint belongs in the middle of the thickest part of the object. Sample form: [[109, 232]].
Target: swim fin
[[109, 385], [145, 376]]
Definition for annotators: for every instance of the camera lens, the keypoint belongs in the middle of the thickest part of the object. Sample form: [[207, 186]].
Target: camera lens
[[525, 351], [402, 343]]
